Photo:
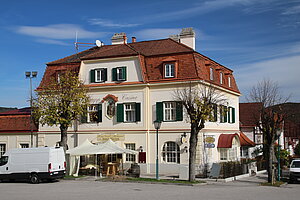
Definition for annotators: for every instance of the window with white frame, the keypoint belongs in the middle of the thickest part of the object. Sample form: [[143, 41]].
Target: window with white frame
[[171, 152], [24, 145], [100, 75], [121, 73], [223, 154], [169, 111], [129, 112], [229, 81], [211, 74], [230, 154], [2, 149], [169, 70], [92, 116], [130, 157]]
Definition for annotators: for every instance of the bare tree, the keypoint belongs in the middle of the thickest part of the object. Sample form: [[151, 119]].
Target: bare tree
[[199, 101], [271, 116]]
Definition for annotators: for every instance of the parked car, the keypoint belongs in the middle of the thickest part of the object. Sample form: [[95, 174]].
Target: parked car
[[295, 170], [33, 164]]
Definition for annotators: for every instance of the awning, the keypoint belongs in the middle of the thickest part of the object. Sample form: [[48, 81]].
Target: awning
[[245, 141], [225, 140]]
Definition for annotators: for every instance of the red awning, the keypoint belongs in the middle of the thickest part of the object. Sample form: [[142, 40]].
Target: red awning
[[225, 140], [245, 141]]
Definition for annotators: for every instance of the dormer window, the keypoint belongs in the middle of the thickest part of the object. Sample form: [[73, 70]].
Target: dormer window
[[119, 74], [229, 81], [221, 78], [169, 70], [98, 75], [211, 74]]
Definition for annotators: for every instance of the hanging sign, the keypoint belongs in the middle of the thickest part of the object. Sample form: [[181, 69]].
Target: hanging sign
[[209, 141]]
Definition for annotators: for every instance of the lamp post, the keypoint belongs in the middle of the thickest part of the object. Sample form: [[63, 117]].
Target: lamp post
[[157, 125], [31, 75]]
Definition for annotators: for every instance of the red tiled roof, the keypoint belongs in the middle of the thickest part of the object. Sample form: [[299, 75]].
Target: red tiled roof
[[245, 141], [152, 55], [22, 111], [225, 140], [249, 114], [16, 123]]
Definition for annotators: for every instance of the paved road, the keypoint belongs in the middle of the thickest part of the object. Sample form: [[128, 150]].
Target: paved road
[[245, 189]]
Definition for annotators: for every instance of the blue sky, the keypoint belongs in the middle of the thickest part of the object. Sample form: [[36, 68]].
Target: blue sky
[[255, 38]]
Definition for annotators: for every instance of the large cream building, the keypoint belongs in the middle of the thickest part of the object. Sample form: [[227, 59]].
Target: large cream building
[[132, 84]]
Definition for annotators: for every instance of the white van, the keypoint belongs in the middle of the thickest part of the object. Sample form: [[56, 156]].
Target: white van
[[33, 164]]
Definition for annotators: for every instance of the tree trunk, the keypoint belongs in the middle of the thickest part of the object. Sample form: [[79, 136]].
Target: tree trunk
[[63, 137], [270, 164], [192, 155]]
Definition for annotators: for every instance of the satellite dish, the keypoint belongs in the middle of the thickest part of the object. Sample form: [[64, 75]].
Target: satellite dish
[[99, 43]]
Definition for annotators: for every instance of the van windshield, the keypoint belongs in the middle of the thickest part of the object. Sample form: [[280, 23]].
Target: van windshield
[[296, 164], [3, 160]]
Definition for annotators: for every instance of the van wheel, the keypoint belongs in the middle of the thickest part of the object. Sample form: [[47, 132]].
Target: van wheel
[[34, 179]]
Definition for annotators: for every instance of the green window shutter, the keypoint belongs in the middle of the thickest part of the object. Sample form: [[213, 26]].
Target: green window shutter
[[120, 112], [225, 113], [92, 76], [215, 110], [137, 112], [229, 114], [100, 112], [104, 74], [233, 115], [83, 117], [159, 111], [124, 73], [179, 111], [114, 74]]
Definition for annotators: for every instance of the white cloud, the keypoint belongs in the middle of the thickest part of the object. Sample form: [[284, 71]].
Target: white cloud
[[292, 10], [284, 70], [50, 41], [109, 23], [58, 31]]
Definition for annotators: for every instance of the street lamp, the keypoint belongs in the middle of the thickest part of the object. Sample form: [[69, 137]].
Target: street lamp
[[157, 125], [31, 75]]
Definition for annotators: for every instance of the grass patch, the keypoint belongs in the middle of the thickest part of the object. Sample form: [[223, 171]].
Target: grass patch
[[162, 180], [276, 184]]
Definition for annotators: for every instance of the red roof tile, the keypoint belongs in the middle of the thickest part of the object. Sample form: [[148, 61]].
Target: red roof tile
[[249, 114], [15, 123], [225, 140], [22, 111], [245, 141]]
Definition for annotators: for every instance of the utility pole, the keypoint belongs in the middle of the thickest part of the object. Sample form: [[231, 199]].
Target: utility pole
[[31, 75]]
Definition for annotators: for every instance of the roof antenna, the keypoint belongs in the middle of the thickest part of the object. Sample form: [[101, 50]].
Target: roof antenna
[[98, 43]]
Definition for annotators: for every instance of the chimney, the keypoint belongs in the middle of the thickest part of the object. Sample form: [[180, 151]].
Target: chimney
[[133, 39], [119, 38], [174, 37], [187, 37]]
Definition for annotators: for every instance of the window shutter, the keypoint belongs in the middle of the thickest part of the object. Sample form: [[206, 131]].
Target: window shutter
[[159, 111], [179, 111], [100, 112], [114, 74], [225, 113], [104, 74], [92, 76], [233, 115], [124, 73], [120, 112], [137, 112], [215, 108], [229, 114]]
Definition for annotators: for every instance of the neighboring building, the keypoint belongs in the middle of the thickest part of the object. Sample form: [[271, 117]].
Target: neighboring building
[[16, 130], [132, 84], [252, 137]]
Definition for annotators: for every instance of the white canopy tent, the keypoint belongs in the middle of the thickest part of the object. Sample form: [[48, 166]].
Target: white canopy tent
[[87, 148]]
